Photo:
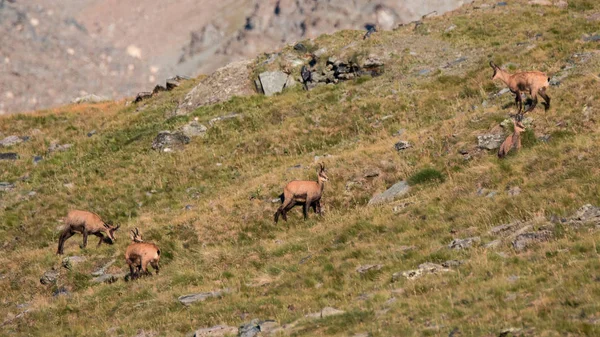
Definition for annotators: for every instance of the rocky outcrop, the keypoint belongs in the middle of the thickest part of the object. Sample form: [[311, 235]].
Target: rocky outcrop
[[224, 83]]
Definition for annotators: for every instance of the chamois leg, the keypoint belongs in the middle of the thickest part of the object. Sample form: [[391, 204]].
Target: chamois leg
[[318, 207], [305, 209], [154, 265], [282, 209], [101, 238], [145, 268], [131, 271], [66, 234], [546, 98], [85, 237], [533, 104]]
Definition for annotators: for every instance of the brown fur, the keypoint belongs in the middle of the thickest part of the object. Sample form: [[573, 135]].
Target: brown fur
[[306, 193], [85, 223], [139, 254], [532, 82], [513, 141]]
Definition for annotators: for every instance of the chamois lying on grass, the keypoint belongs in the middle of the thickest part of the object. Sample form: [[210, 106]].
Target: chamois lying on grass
[[533, 82], [513, 141], [85, 223], [139, 254], [307, 193]]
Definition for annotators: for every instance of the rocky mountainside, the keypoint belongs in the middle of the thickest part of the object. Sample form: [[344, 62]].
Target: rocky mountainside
[[53, 51]]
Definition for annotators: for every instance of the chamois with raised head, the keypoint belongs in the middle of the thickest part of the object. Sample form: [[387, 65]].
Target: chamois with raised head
[[304, 192], [139, 254], [513, 141], [533, 82], [86, 223]]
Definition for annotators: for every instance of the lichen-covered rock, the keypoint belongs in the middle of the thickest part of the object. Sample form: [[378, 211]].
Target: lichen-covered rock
[[490, 141], [167, 141], [224, 83], [194, 129]]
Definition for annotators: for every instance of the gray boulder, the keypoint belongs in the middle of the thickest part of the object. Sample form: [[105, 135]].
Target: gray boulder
[[397, 190], [10, 141], [224, 83], [49, 277], [55, 147], [525, 240], [402, 145], [201, 297], [167, 141], [587, 214], [194, 129], [490, 141], [272, 82]]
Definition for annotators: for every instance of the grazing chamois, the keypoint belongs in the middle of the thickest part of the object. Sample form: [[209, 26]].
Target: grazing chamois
[[306, 193], [513, 141], [85, 223], [139, 254], [533, 82]]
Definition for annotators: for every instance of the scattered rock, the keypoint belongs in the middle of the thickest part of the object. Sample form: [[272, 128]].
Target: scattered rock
[[506, 228], [6, 186], [167, 141], [502, 4], [368, 267], [224, 83], [69, 261], [371, 173], [91, 133], [9, 156], [172, 83], [144, 95], [587, 214], [492, 244], [100, 271], [325, 312], [452, 263], [194, 129], [397, 190], [200, 297], [272, 82], [423, 269], [215, 120], [459, 244], [525, 240], [250, 329], [216, 331], [514, 191], [49, 277], [90, 98], [10, 141], [108, 278], [54, 147], [60, 291], [402, 145], [450, 28], [490, 141]]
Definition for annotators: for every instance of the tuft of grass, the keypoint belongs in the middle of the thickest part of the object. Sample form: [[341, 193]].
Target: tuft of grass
[[426, 176]]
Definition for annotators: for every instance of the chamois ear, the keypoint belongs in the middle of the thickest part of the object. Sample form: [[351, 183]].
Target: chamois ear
[[117, 228], [322, 167]]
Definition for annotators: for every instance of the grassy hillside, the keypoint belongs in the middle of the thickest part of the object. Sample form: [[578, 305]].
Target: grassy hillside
[[209, 207]]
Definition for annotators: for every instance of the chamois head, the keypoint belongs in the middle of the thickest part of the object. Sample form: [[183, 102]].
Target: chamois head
[[110, 231], [496, 68], [136, 236], [321, 172]]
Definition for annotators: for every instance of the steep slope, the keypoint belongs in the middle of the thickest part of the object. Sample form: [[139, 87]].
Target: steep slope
[[210, 206]]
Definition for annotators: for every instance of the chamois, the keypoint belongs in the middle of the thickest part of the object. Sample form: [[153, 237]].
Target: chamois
[[85, 223], [304, 192], [513, 141], [533, 82], [139, 254]]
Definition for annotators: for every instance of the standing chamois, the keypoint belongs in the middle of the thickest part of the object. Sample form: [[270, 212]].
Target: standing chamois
[[304, 192], [139, 254], [85, 223], [533, 82]]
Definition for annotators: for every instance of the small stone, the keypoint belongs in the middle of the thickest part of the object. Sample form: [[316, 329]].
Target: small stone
[[514, 191], [91, 133], [423, 269], [368, 267], [109, 278], [6, 186], [502, 4], [55, 147], [9, 156], [325, 312], [61, 291], [402, 145], [450, 28], [458, 244], [215, 120]]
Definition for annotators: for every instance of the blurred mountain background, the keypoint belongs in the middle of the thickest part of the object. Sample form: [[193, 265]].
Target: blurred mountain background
[[52, 51]]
